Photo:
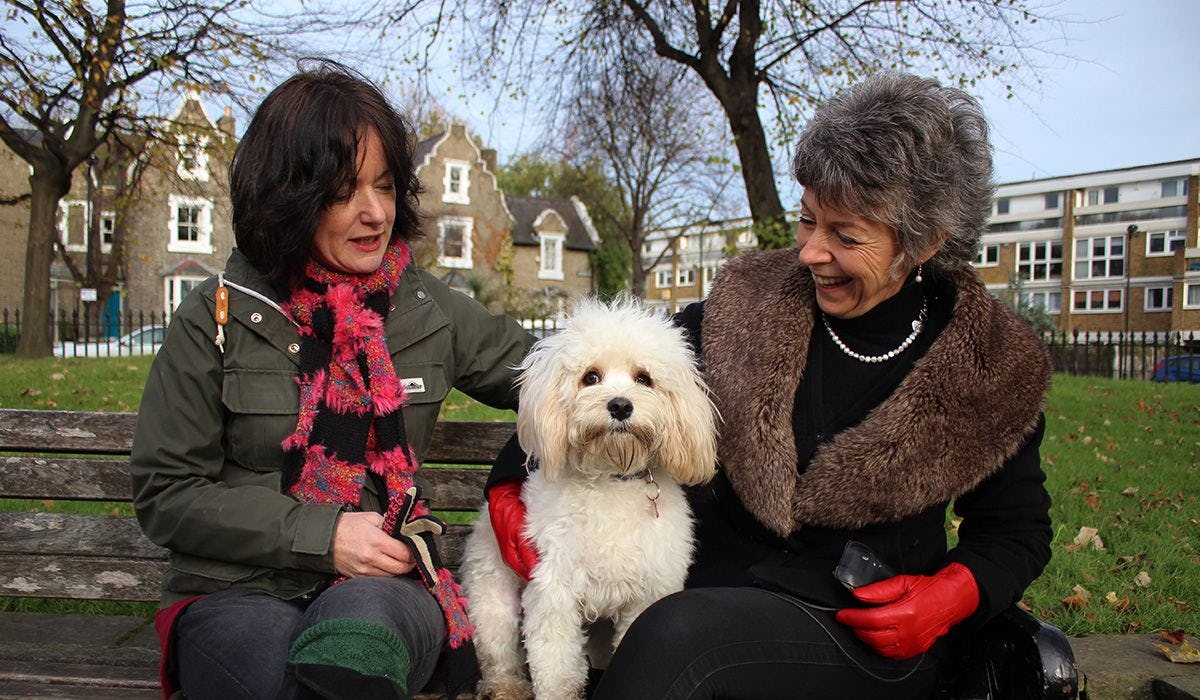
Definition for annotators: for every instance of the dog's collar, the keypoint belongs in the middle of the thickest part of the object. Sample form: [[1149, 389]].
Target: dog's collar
[[643, 474]]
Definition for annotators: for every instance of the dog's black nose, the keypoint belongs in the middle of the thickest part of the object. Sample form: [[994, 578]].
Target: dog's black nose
[[620, 408]]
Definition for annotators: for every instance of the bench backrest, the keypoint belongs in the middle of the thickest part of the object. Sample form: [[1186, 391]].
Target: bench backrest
[[82, 456]]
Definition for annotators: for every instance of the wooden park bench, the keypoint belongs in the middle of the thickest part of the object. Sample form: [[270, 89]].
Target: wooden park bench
[[76, 456]]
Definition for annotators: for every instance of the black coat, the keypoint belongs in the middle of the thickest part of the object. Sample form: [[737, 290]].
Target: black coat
[[962, 424]]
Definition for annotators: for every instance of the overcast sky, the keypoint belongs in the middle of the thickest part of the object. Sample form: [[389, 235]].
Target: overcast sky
[[1128, 94]]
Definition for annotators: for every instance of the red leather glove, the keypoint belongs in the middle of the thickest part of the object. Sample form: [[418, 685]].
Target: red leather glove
[[507, 513], [913, 611]]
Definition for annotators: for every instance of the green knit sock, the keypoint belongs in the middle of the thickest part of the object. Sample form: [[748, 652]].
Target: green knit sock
[[351, 658]]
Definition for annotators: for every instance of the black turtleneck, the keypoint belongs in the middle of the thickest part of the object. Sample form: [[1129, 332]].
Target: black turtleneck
[[838, 391]]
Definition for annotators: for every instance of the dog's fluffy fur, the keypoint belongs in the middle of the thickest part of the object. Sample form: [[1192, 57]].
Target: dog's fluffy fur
[[603, 551]]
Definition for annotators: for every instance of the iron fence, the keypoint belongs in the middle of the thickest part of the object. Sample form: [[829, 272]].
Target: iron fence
[[87, 333], [1133, 355]]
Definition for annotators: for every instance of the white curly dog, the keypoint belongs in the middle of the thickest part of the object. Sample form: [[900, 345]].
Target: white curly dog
[[616, 416]]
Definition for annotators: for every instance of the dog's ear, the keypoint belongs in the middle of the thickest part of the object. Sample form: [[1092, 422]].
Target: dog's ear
[[689, 450], [541, 418]]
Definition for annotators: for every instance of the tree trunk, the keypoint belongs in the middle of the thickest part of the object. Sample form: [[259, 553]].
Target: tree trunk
[[758, 175], [46, 189]]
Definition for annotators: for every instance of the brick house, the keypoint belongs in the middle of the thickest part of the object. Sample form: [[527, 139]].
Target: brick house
[[168, 207], [1104, 251], [176, 228], [476, 234]]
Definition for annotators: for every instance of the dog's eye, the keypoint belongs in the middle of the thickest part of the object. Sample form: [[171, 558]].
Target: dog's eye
[[643, 379], [591, 378]]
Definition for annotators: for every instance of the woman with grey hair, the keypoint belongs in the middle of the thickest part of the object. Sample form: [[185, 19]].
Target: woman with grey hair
[[866, 381]]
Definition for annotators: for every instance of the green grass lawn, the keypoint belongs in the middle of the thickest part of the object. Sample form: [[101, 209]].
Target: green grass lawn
[[1122, 457]]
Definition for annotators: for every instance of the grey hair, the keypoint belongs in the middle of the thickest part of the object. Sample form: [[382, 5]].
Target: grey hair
[[908, 152]]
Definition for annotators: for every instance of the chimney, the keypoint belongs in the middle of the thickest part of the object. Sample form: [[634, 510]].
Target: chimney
[[227, 123], [489, 159]]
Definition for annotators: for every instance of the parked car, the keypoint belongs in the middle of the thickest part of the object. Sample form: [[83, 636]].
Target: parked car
[[1178, 368], [142, 341]]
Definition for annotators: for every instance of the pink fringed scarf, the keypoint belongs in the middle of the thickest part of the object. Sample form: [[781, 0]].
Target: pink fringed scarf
[[350, 427]]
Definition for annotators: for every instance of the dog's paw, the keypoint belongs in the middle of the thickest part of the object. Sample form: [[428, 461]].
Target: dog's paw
[[506, 689]]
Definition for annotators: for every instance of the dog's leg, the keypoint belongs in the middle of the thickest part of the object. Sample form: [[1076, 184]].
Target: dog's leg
[[554, 640], [494, 605]]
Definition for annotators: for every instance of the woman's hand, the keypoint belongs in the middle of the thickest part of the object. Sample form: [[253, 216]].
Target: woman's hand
[[507, 513], [913, 611], [361, 548]]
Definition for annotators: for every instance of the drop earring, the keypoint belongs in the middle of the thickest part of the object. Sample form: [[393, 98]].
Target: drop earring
[[918, 279]]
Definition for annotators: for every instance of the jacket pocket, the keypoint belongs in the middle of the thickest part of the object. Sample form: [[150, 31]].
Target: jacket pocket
[[263, 406]]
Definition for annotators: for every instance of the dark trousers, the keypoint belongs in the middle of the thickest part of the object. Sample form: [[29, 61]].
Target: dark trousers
[[235, 643], [752, 644]]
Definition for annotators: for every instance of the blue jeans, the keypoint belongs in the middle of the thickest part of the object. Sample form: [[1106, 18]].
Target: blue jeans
[[236, 643]]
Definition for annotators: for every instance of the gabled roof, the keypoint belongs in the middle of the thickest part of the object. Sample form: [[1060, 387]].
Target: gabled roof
[[424, 147], [188, 266], [527, 210]]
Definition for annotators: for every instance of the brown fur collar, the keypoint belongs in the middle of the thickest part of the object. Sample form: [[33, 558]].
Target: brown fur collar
[[959, 414]]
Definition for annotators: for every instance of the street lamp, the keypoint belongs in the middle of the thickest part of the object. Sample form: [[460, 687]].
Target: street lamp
[[1127, 361]]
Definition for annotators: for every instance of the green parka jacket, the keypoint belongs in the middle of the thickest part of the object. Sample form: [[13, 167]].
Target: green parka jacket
[[206, 454]]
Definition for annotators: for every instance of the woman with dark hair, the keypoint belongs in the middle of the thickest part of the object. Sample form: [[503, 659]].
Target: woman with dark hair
[[865, 380], [290, 407]]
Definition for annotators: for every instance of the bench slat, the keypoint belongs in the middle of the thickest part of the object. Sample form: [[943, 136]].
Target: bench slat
[[75, 479], [84, 432], [96, 557], [66, 431], [65, 478]]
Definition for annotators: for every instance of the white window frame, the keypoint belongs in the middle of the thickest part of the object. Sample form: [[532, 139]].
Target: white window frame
[[551, 252], [1090, 306], [64, 224], [1168, 294], [196, 150], [685, 277], [984, 260], [463, 196], [204, 225], [1180, 184], [746, 237], [1168, 237], [108, 229], [662, 278], [1188, 290], [463, 262], [172, 291], [1046, 248], [1043, 298], [1089, 257]]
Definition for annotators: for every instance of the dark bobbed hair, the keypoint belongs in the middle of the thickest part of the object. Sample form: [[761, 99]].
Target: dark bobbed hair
[[300, 152], [910, 153]]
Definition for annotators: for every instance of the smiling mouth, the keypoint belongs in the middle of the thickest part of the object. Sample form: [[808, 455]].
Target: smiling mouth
[[829, 282]]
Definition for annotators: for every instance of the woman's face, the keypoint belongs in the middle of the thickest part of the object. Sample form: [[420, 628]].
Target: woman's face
[[353, 232], [850, 258]]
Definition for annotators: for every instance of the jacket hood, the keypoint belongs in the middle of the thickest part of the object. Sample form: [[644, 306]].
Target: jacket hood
[[963, 409]]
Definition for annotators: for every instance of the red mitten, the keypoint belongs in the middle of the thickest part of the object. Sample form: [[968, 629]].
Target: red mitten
[[913, 611], [507, 513]]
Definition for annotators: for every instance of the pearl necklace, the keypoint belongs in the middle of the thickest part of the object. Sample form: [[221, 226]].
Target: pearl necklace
[[917, 325]]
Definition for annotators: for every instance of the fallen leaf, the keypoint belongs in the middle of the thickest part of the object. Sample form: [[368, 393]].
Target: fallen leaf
[[1087, 535], [1175, 637], [1092, 500], [1142, 579], [1133, 627], [1132, 490], [1024, 606], [1079, 599], [1118, 604], [1185, 654]]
